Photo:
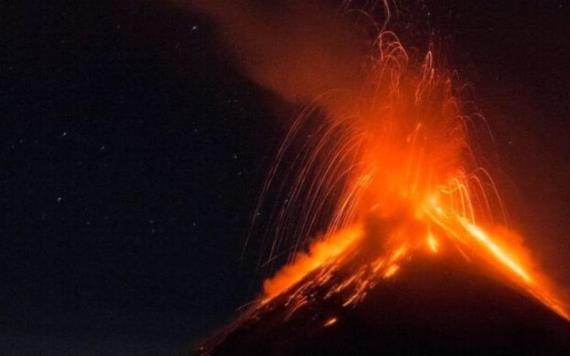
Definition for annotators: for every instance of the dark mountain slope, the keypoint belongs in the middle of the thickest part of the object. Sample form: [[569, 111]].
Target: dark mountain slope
[[432, 307]]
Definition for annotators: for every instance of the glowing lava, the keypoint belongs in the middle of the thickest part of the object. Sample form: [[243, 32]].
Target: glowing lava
[[407, 182]]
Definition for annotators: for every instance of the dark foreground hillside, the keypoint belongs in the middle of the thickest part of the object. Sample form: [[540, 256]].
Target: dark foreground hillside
[[432, 307]]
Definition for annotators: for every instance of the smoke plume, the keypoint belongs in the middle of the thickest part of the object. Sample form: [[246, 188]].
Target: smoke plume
[[303, 50]]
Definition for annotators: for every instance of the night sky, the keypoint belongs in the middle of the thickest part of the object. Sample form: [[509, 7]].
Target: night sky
[[133, 151]]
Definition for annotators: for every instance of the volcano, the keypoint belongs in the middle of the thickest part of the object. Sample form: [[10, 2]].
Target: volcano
[[432, 307], [396, 237]]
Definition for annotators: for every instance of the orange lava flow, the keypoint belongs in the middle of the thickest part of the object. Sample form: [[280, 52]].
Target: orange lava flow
[[407, 182], [330, 322], [320, 253]]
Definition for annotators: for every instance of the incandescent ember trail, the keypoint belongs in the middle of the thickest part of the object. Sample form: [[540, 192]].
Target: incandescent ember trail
[[386, 156], [409, 183]]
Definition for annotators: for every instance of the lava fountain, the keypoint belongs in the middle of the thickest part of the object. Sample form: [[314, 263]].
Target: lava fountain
[[410, 184], [391, 165]]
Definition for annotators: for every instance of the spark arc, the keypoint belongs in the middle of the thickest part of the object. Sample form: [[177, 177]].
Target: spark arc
[[397, 157]]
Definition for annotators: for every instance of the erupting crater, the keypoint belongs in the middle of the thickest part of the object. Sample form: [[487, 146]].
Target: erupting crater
[[391, 170]]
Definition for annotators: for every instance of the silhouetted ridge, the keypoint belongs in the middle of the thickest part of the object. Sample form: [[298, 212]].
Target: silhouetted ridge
[[434, 306]]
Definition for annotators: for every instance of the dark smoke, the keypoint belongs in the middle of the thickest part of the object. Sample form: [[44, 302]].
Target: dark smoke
[[305, 51]]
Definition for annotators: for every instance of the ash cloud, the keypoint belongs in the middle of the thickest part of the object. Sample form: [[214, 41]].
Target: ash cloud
[[303, 50]]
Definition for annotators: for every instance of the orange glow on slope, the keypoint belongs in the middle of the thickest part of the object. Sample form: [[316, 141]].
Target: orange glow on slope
[[320, 253], [432, 243], [391, 271], [499, 253], [330, 322], [399, 157]]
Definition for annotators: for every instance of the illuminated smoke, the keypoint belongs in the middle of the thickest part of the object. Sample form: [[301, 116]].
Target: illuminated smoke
[[392, 153], [300, 49]]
